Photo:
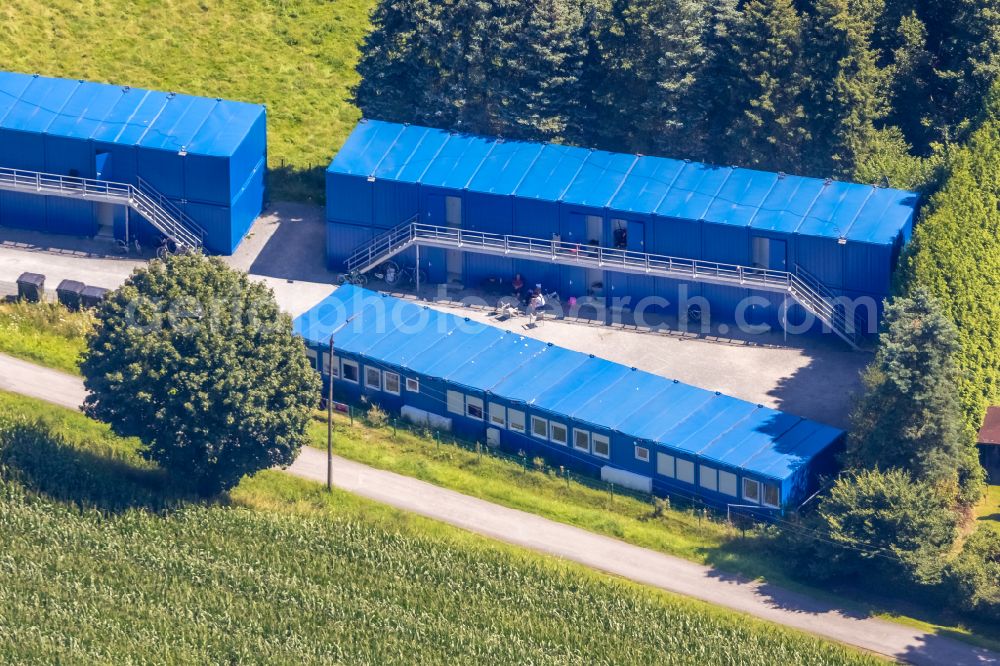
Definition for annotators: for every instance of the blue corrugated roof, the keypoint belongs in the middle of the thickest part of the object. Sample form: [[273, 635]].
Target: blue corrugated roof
[[715, 428], [131, 116], [628, 183]]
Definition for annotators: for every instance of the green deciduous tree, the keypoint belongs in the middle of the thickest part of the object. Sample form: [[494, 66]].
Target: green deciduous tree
[[885, 522], [973, 578], [955, 254], [197, 361], [910, 417]]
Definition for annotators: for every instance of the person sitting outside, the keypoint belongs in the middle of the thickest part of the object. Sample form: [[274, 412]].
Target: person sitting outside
[[518, 285], [536, 303]]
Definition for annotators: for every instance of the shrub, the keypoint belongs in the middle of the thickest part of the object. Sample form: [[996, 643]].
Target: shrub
[[973, 578]]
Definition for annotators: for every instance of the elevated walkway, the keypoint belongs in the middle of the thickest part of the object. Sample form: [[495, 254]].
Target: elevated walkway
[[799, 285], [167, 218]]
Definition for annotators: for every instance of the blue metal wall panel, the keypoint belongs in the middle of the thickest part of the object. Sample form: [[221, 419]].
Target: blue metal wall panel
[[23, 211], [22, 150], [123, 161], [482, 267], [674, 238], [393, 203], [868, 267], [823, 258], [349, 199], [68, 156], [163, 170], [489, 213], [206, 179], [534, 217], [726, 244], [70, 216], [341, 239]]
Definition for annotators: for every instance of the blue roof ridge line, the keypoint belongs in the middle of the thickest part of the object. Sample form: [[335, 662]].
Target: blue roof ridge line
[[621, 183], [871, 193], [669, 189], [395, 140], [419, 180], [576, 174], [156, 118], [527, 170], [201, 126], [479, 166], [812, 204], [713, 198], [19, 98], [759, 207]]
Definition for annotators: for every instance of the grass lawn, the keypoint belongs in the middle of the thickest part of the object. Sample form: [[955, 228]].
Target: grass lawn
[[101, 563], [677, 532], [989, 508], [296, 56], [48, 334]]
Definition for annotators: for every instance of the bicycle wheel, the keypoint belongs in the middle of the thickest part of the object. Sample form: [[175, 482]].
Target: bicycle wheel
[[341, 279], [390, 270], [360, 280], [423, 276], [162, 252]]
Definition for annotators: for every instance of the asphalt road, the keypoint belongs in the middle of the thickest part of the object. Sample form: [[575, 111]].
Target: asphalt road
[[641, 565]]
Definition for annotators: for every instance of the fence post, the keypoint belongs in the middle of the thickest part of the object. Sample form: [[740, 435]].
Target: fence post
[[437, 439], [611, 489], [394, 428], [479, 450], [350, 412]]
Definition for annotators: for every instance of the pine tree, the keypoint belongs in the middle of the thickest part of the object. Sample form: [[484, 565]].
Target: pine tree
[[717, 86], [910, 417], [398, 64], [540, 73], [845, 95], [770, 127]]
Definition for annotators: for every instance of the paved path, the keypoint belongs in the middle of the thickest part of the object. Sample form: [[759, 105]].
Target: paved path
[[604, 553]]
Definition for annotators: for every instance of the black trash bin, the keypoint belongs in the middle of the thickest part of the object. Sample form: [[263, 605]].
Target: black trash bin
[[91, 297], [69, 292], [31, 287]]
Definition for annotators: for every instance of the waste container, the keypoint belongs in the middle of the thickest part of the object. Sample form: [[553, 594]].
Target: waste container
[[91, 297], [31, 287], [69, 292]]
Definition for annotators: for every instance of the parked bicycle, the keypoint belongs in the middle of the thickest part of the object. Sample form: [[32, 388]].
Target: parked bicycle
[[395, 276], [166, 248], [124, 247], [354, 277]]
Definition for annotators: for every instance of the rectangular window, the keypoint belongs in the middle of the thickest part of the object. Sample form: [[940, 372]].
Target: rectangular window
[[349, 371], [312, 356], [772, 497], [453, 211], [390, 380], [581, 440], [498, 415], [665, 465], [558, 433], [708, 477], [515, 420], [325, 361], [602, 445], [685, 471], [539, 427], [373, 378], [642, 453], [727, 483], [474, 408], [751, 490], [413, 385], [456, 402]]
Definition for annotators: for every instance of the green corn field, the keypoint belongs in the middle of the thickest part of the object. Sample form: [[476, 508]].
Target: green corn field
[[100, 562]]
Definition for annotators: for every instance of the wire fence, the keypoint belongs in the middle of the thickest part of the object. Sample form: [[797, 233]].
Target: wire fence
[[739, 516]]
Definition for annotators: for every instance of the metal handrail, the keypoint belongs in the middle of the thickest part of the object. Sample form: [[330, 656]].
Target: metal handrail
[[160, 212], [804, 288]]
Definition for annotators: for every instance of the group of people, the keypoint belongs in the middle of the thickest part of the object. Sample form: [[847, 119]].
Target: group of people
[[534, 300]]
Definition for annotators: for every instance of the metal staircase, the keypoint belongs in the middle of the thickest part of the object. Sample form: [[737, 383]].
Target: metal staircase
[[166, 217], [799, 285]]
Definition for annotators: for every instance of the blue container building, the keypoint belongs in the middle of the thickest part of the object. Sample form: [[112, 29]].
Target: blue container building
[[630, 427], [206, 157], [844, 236]]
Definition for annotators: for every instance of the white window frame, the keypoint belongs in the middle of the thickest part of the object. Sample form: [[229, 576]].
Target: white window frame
[[708, 474], [385, 382], [498, 415], [756, 497], [662, 461], [597, 440], [730, 482], [576, 445], [324, 358], [763, 495], [686, 466], [516, 420], [347, 363], [377, 373], [544, 423], [552, 436], [456, 402], [413, 385], [645, 450], [472, 402]]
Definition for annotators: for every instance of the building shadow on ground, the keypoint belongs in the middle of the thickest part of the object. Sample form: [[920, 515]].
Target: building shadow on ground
[[825, 388]]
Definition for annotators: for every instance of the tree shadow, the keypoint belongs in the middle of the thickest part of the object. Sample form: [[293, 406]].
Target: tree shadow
[[824, 389], [45, 464], [305, 185]]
